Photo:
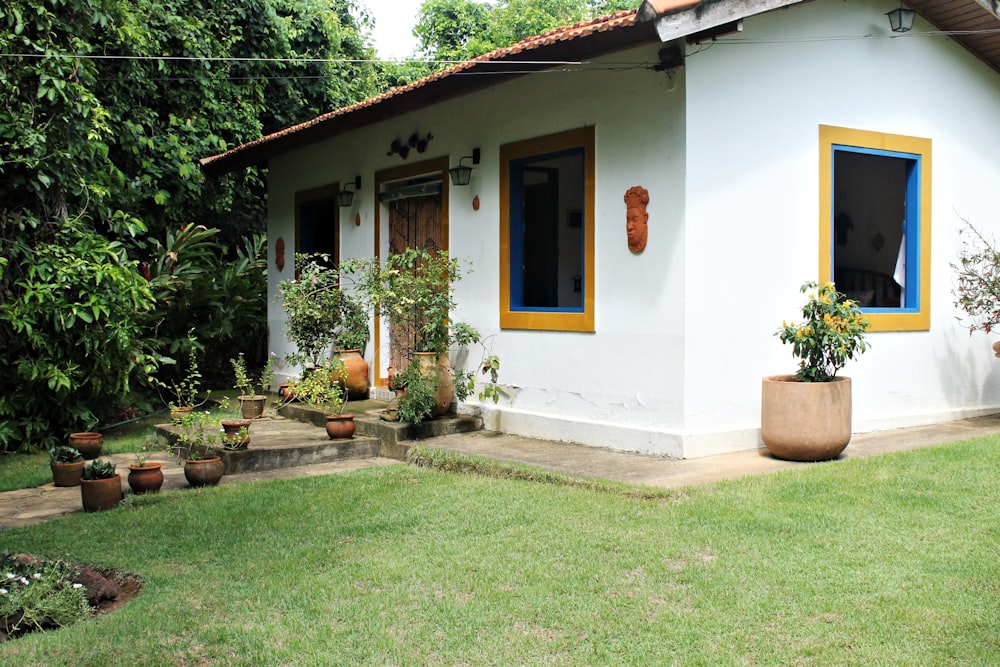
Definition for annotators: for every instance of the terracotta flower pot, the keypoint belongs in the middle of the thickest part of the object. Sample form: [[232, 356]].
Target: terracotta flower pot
[[177, 413], [340, 427], [357, 373], [203, 472], [101, 494], [233, 428], [67, 474], [805, 421], [88, 443], [252, 407], [145, 479], [438, 364]]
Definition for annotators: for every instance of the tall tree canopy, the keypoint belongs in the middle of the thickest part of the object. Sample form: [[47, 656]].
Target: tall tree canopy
[[456, 30], [105, 108]]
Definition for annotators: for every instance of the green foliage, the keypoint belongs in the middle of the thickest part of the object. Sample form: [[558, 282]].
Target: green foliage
[[320, 315], [832, 332], [977, 281], [99, 469], [65, 454], [417, 402], [458, 30], [192, 441], [415, 289], [246, 385], [322, 387], [36, 594]]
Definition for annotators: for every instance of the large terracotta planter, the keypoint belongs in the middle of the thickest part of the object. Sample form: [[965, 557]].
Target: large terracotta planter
[[145, 479], [357, 373], [805, 421], [252, 407], [203, 472], [88, 443], [340, 427], [438, 364], [101, 494], [67, 474]]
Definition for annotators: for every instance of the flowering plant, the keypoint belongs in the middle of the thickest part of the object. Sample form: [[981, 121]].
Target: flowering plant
[[321, 387], [832, 332], [192, 442]]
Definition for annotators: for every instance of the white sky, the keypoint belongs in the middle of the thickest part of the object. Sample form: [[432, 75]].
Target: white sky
[[394, 21]]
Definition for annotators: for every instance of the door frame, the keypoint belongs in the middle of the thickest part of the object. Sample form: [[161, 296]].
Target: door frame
[[432, 167]]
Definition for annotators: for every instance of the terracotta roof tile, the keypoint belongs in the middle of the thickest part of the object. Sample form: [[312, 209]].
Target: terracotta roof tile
[[507, 54]]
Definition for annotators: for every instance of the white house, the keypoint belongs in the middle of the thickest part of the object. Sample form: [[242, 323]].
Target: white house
[[780, 141]]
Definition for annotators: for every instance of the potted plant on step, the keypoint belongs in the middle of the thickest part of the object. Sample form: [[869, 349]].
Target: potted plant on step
[[235, 428], [202, 465], [183, 389], [100, 486], [414, 290], [323, 319], [145, 476], [807, 416], [322, 389], [67, 465], [251, 400]]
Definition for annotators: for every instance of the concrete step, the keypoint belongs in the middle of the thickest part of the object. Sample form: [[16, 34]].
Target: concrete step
[[295, 437], [395, 437]]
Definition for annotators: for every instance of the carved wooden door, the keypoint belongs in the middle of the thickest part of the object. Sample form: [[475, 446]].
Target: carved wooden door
[[413, 223]]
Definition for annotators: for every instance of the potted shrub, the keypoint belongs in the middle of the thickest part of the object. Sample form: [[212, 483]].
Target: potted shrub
[[321, 388], [235, 428], [145, 476], [322, 319], [807, 416], [414, 290], [202, 466], [67, 465], [251, 400], [184, 388], [100, 486], [977, 283]]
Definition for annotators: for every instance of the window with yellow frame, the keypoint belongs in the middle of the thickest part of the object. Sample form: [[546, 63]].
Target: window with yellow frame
[[547, 232], [875, 223]]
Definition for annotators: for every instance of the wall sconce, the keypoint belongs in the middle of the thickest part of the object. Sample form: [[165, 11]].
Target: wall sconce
[[462, 174], [345, 196], [901, 20]]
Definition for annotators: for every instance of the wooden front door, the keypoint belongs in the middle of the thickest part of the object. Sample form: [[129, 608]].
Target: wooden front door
[[414, 222]]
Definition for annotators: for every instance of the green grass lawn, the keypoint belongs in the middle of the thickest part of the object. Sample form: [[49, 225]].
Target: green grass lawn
[[892, 560]]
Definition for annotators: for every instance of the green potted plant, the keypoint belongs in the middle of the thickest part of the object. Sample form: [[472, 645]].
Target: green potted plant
[[250, 391], [66, 464], [977, 283], [321, 388], [321, 318], [145, 476], [807, 416], [414, 290], [202, 464], [100, 486], [184, 388]]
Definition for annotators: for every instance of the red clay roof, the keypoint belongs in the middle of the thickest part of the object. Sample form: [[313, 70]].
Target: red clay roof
[[580, 40]]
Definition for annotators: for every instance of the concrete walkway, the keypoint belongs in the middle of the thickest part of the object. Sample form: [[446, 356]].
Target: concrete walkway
[[31, 506]]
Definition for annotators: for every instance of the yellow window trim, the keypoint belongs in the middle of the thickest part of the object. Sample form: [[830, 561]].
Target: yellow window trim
[[829, 136], [583, 321]]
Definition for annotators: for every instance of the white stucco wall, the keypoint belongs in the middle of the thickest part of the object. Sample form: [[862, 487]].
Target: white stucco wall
[[728, 148], [755, 102]]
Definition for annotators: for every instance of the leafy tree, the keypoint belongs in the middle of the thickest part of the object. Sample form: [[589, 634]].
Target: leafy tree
[[450, 30], [105, 108]]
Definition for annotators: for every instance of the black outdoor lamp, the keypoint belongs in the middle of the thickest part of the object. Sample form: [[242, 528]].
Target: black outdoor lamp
[[345, 196], [462, 174], [901, 20]]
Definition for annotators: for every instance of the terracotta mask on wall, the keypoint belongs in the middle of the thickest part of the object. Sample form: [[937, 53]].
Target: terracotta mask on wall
[[279, 254], [636, 217]]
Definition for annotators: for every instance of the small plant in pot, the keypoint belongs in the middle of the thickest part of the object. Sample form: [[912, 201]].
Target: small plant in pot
[[251, 391], [100, 486], [807, 416], [202, 465], [322, 388], [183, 389], [145, 476], [67, 465], [235, 427]]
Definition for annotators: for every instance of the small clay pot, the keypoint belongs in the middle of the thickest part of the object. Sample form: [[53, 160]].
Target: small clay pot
[[203, 472], [340, 427], [101, 494], [145, 479], [67, 474], [88, 443]]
